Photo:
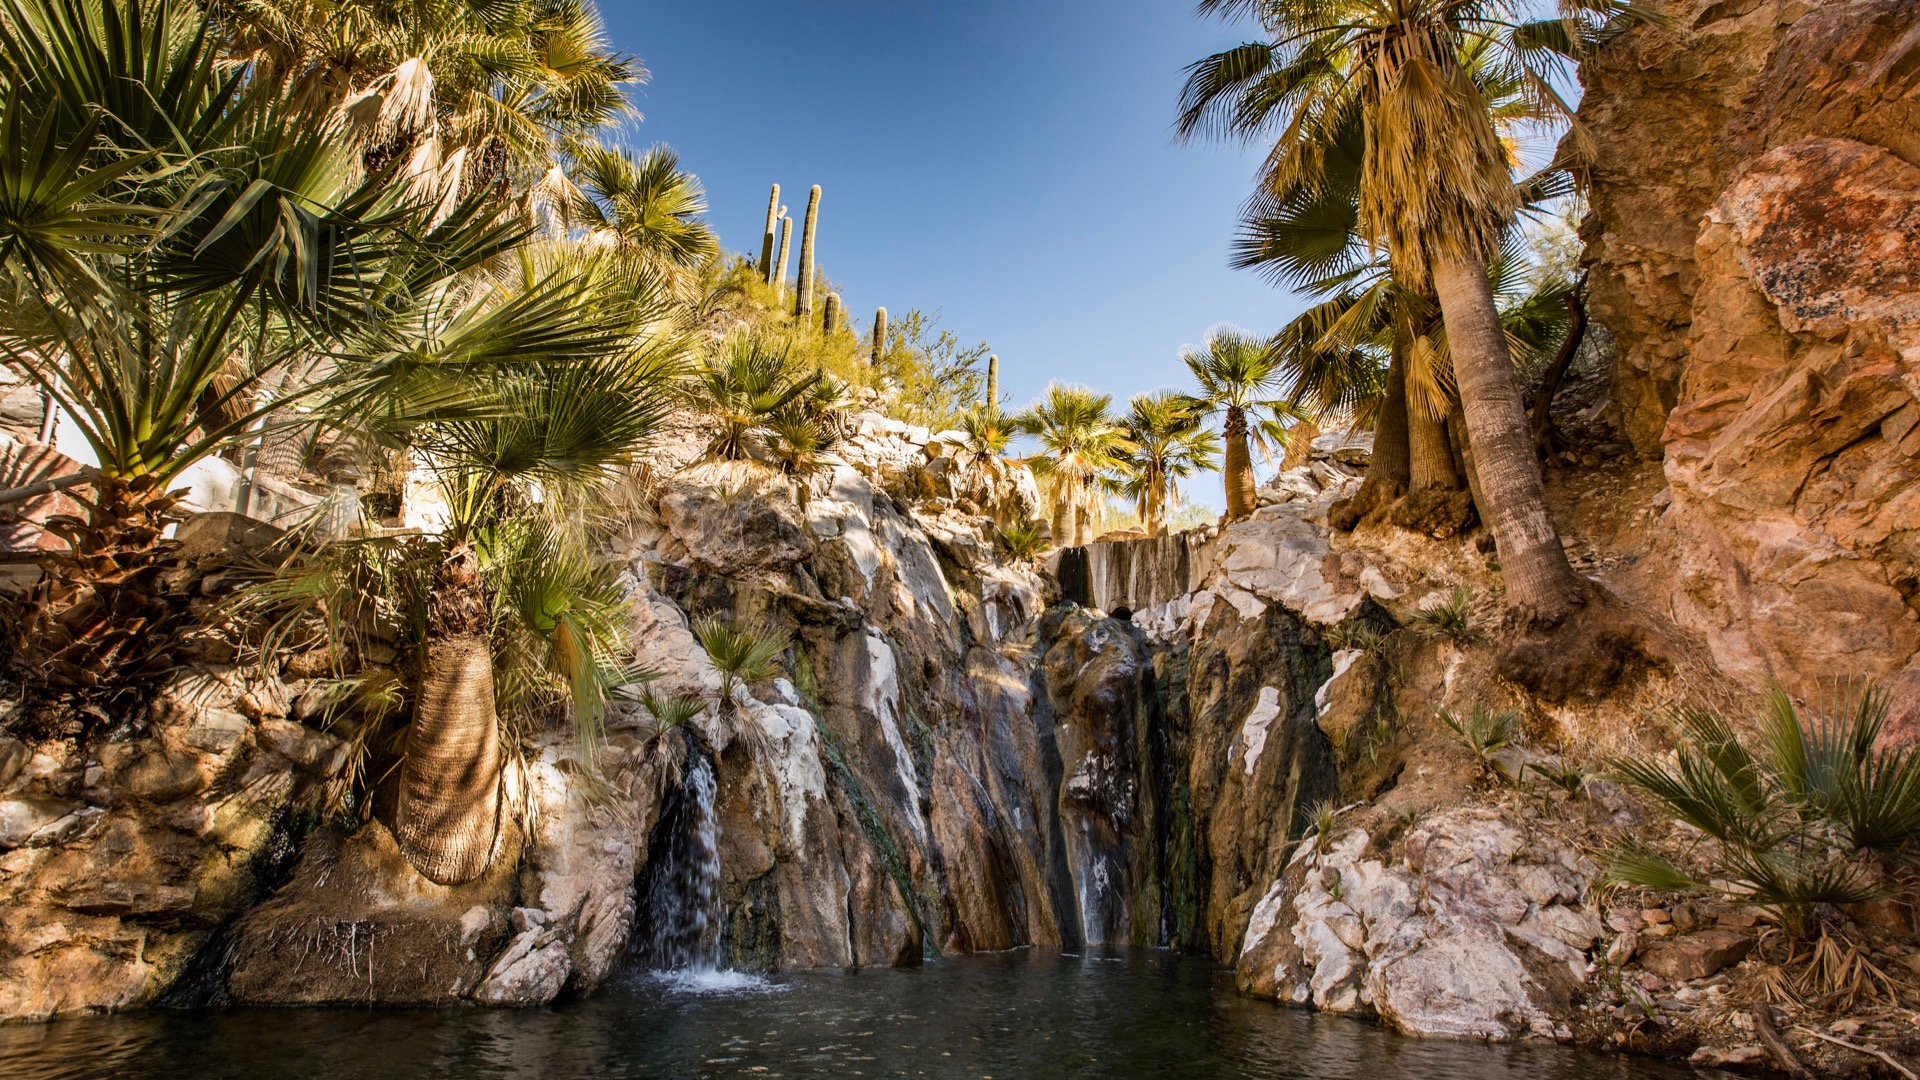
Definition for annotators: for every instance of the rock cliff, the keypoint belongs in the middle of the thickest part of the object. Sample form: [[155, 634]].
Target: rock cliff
[[1754, 245]]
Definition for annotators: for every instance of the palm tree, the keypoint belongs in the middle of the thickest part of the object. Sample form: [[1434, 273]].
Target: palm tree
[[1080, 445], [1239, 376], [1170, 444], [170, 235], [462, 95], [644, 205], [1436, 189], [585, 391]]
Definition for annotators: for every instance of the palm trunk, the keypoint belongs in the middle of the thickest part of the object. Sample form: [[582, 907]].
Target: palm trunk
[[1237, 470], [1062, 516], [448, 821], [1513, 500], [1083, 525], [1156, 515], [1391, 468], [1430, 453]]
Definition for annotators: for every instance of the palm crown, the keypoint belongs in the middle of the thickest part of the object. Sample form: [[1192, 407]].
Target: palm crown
[[1080, 444], [1170, 443]]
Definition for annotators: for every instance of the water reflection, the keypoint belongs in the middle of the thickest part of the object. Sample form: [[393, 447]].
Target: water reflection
[[1128, 1017]]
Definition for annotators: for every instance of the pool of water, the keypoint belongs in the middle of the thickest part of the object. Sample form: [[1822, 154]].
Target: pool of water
[[1015, 1015]]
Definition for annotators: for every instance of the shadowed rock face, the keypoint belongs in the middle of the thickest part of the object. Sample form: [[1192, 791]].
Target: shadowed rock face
[[1099, 682]]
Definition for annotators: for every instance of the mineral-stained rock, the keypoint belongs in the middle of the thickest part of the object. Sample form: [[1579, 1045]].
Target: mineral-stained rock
[[1754, 245], [1794, 457], [1477, 929], [1099, 682]]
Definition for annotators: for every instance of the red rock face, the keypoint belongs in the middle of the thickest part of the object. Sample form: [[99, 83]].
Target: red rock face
[[1795, 452], [1755, 248]]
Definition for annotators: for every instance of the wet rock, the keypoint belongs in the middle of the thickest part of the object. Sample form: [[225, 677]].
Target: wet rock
[[531, 972], [1100, 685]]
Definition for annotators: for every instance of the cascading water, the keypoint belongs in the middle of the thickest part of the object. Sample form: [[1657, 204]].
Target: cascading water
[[679, 917]]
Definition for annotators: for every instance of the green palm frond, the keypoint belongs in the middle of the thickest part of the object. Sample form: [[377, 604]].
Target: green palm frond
[[739, 653], [562, 629]]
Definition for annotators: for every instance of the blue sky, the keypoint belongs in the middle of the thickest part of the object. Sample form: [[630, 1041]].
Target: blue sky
[[1010, 165]]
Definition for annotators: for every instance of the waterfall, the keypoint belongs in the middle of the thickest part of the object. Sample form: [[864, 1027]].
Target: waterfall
[[679, 917]]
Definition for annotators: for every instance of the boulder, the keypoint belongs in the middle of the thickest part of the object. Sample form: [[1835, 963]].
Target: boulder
[[1754, 256], [1477, 928], [1695, 956], [733, 517]]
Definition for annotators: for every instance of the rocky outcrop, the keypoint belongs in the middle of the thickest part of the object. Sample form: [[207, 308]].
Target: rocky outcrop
[[119, 863], [1471, 926], [1755, 250]]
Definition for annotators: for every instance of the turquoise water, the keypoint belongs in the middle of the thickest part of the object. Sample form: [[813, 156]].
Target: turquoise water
[[1024, 1014]]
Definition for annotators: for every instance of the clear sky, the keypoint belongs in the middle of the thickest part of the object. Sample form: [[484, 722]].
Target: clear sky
[[1010, 165]]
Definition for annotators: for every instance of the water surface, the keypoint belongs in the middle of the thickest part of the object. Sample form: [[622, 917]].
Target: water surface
[[1127, 1016]]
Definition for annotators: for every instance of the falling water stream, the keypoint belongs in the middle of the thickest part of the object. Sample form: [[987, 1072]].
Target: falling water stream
[[677, 929]]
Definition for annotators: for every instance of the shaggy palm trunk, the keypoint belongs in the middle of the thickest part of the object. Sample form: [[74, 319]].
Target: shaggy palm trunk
[[1540, 584], [1083, 525], [1430, 453], [1155, 510], [99, 626], [1300, 444], [1237, 470], [1063, 519], [449, 814], [1390, 468]]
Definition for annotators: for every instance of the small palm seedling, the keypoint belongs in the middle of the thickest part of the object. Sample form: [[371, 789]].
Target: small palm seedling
[[674, 712], [1449, 619], [1817, 815], [1566, 776], [739, 654], [800, 441], [1484, 731], [1024, 539]]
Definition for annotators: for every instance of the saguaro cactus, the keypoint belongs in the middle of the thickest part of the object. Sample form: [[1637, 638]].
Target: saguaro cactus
[[803, 306], [879, 335], [832, 318], [993, 383], [786, 241], [767, 241]]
